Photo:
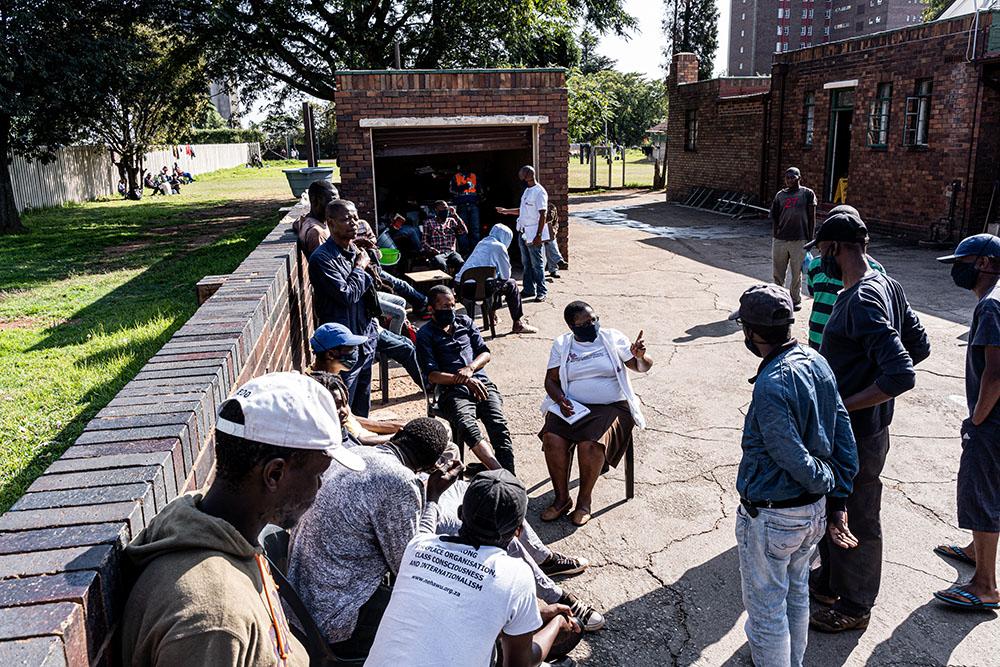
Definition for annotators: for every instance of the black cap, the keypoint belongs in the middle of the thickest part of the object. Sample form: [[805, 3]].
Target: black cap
[[495, 504], [841, 226], [765, 305]]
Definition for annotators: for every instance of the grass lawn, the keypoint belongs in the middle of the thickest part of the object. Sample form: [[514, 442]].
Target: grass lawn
[[638, 172], [95, 289]]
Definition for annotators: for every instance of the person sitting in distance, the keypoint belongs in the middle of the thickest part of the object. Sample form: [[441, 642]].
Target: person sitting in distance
[[588, 366], [204, 593]]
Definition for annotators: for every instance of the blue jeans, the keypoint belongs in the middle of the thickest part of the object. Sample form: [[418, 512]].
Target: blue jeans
[[775, 549], [552, 256], [359, 383], [404, 289], [401, 350], [534, 268], [469, 212]]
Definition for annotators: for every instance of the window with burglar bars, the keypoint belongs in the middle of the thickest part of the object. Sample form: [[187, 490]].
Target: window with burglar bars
[[809, 115], [878, 117], [918, 115], [691, 129]]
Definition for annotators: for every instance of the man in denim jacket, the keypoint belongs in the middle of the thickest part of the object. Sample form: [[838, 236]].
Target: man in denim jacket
[[799, 461]]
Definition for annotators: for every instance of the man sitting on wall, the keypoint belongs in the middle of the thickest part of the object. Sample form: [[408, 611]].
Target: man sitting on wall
[[311, 228], [204, 594]]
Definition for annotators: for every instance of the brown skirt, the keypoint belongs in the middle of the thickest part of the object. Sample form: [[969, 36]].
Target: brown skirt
[[608, 425]]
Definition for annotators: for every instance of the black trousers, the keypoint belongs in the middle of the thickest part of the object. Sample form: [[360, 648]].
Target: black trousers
[[855, 574], [359, 644], [463, 411]]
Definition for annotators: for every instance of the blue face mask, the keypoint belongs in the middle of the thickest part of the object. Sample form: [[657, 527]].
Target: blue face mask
[[586, 333]]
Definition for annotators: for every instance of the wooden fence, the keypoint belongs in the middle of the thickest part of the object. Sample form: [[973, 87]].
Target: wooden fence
[[82, 173]]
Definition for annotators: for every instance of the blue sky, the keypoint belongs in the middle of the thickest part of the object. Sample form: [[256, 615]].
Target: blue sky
[[643, 51]]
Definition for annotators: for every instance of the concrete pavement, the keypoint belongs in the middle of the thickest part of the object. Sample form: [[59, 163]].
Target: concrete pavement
[[665, 569]]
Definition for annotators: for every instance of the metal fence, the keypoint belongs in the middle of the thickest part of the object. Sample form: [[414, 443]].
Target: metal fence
[[82, 173]]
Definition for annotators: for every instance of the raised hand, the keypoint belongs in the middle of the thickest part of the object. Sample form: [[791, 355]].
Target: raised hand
[[638, 348]]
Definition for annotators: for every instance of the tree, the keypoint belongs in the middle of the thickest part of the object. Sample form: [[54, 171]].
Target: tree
[[590, 60], [52, 67], [692, 26], [159, 82], [613, 106], [934, 8], [302, 43]]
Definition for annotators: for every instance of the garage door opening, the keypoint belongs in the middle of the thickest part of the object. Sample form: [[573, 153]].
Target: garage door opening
[[413, 167]]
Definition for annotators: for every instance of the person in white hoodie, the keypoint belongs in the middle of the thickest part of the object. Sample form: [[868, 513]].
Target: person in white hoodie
[[586, 375], [492, 251]]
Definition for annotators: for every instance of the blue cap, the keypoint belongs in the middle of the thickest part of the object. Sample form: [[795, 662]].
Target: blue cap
[[330, 336], [980, 245]]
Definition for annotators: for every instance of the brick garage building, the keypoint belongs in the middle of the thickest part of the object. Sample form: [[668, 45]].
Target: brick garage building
[[902, 115], [402, 133]]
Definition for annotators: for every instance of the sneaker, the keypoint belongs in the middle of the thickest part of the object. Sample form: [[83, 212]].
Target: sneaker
[[831, 620], [540, 298], [591, 619], [797, 307], [523, 329], [558, 565], [526, 295], [553, 274]]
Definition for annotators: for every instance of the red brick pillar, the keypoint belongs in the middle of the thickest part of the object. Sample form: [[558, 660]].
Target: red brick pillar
[[685, 68]]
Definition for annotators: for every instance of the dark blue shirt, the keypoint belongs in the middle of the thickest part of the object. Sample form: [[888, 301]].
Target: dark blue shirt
[[438, 350], [797, 436], [985, 332], [338, 292], [873, 336]]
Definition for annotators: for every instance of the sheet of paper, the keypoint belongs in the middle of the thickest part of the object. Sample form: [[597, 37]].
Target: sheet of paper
[[579, 412]]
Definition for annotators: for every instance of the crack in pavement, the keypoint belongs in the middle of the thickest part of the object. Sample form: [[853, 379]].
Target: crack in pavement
[[917, 569], [927, 511]]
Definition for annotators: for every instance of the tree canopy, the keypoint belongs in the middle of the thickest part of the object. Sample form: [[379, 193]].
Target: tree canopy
[[613, 106], [692, 26], [52, 66], [302, 43]]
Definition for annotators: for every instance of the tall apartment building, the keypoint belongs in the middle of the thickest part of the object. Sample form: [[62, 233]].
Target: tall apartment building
[[760, 28]]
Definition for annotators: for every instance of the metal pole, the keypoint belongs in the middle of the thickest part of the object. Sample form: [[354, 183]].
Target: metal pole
[[593, 167], [611, 158], [623, 167], [399, 59]]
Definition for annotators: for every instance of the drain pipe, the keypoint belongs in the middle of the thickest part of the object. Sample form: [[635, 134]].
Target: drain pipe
[[782, 68]]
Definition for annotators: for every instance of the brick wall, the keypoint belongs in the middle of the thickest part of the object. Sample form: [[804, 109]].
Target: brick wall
[[729, 148], [898, 189], [416, 94], [61, 593]]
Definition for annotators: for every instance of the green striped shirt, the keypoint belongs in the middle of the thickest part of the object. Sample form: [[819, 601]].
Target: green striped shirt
[[824, 290]]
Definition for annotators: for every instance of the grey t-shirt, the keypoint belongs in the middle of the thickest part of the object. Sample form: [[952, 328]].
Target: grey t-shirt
[[790, 214], [985, 332], [355, 532]]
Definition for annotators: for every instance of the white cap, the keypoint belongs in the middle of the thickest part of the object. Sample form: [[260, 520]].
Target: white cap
[[290, 410]]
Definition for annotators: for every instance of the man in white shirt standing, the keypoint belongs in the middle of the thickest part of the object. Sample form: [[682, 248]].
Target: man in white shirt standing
[[447, 585], [533, 233]]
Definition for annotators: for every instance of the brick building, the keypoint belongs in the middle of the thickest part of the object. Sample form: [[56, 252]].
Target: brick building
[[760, 28], [901, 115], [402, 133]]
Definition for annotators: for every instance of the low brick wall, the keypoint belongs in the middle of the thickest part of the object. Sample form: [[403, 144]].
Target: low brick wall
[[61, 594]]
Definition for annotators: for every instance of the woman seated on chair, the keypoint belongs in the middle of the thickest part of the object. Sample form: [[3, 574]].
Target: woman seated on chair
[[492, 251], [587, 373]]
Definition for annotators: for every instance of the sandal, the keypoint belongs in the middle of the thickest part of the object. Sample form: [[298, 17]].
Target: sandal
[[580, 518], [831, 620], [954, 552], [970, 601], [552, 512]]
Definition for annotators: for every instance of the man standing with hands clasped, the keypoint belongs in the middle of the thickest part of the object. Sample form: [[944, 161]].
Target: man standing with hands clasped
[[799, 461], [533, 233], [793, 219], [871, 341], [976, 267]]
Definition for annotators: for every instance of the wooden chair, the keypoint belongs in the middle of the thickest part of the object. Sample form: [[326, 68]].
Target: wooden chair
[[475, 288], [383, 375], [629, 469]]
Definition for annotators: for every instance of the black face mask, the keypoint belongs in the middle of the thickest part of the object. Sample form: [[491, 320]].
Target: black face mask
[[444, 318], [441, 215], [964, 274], [349, 359], [752, 346], [828, 265], [586, 333]]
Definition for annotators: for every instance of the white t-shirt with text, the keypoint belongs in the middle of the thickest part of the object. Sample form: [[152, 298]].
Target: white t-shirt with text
[[533, 200], [591, 373], [450, 603]]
